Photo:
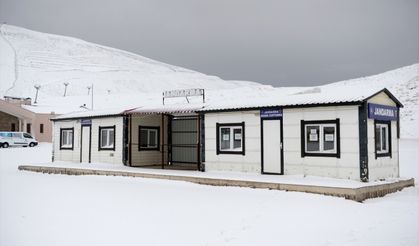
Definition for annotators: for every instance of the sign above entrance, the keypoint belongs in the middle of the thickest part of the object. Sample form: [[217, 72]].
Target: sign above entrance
[[382, 112], [184, 93], [271, 113], [86, 122]]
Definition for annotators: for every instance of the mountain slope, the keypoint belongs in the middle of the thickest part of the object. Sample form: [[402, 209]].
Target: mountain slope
[[404, 84], [30, 58]]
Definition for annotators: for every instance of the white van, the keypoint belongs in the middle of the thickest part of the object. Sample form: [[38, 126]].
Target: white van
[[17, 139]]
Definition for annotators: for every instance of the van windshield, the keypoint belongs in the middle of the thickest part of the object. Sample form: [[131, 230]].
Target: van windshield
[[26, 135]]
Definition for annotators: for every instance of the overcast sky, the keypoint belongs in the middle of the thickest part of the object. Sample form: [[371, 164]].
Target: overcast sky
[[279, 42]]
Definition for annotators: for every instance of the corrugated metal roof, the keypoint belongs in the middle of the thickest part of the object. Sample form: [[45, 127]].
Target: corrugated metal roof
[[312, 96], [90, 114], [166, 109]]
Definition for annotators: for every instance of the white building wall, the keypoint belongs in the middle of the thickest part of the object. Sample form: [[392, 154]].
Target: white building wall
[[105, 156], [346, 167], [250, 162], [383, 167], [66, 154]]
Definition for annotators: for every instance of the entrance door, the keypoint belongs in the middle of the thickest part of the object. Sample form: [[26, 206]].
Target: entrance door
[[271, 147], [85, 144], [184, 140]]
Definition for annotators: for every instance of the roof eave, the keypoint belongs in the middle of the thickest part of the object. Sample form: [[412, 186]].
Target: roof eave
[[389, 94], [283, 106]]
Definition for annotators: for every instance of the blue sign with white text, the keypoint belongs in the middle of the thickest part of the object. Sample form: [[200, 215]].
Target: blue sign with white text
[[382, 112], [271, 113], [86, 122]]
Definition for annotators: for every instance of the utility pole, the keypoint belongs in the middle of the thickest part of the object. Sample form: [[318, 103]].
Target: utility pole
[[65, 89], [88, 90], [37, 87], [92, 96]]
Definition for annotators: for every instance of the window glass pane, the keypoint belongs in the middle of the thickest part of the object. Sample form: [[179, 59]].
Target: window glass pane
[[64, 138], [103, 139], [153, 138], [143, 138], [225, 138], [237, 138], [384, 138], [312, 138], [27, 135], [329, 138], [378, 137], [70, 138], [111, 138], [67, 138]]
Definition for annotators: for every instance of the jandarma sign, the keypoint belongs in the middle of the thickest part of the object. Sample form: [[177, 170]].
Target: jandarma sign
[[382, 112]]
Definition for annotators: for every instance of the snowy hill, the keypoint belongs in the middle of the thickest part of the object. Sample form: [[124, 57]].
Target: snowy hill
[[403, 83], [29, 58]]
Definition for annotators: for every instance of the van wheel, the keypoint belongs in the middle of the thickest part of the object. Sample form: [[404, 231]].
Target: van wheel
[[5, 145], [31, 144]]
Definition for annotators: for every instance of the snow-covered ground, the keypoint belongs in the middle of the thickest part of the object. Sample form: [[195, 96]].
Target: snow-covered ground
[[41, 209]]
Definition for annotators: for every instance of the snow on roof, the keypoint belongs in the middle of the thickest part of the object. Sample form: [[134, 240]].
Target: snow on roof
[[91, 113], [161, 109], [311, 96], [48, 109], [272, 98]]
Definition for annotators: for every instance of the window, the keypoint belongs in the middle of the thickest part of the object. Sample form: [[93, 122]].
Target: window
[[26, 135], [382, 138], [66, 138], [28, 128], [320, 138], [41, 128], [13, 127], [148, 138], [107, 138], [230, 138], [6, 134]]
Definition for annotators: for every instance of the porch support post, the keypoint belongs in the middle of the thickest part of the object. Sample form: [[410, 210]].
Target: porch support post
[[130, 141], [162, 141], [198, 127], [363, 142]]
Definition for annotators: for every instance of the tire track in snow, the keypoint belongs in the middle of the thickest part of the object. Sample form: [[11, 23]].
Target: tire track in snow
[[15, 59]]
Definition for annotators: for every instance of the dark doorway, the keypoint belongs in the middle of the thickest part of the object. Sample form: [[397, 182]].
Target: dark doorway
[[184, 140]]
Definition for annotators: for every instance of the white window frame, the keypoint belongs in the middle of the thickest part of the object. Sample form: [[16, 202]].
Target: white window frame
[[149, 129], [387, 139], [231, 149], [321, 138], [66, 138], [108, 145]]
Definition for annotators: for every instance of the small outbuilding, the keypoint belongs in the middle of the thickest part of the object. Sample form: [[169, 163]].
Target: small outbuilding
[[353, 135], [19, 115]]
